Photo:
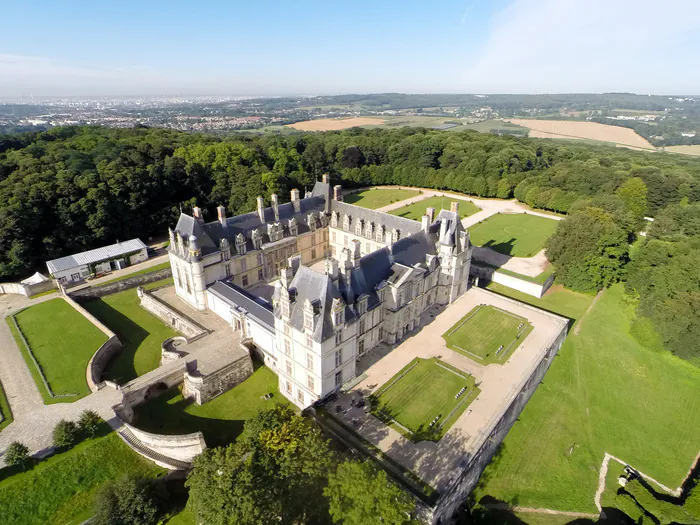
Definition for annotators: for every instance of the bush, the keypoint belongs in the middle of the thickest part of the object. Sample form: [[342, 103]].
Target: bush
[[17, 454], [128, 501], [65, 434], [89, 423]]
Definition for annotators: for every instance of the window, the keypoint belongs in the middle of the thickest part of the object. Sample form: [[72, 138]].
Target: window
[[338, 357], [313, 253], [289, 388], [339, 378], [338, 318], [338, 338], [187, 279], [259, 257], [289, 367], [244, 280], [261, 276], [310, 382], [300, 396], [381, 334], [227, 270], [287, 347], [309, 341], [179, 277], [362, 326], [361, 347], [309, 360], [244, 265], [286, 329]]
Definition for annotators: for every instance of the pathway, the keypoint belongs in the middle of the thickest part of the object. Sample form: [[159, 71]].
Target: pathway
[[517, 508]]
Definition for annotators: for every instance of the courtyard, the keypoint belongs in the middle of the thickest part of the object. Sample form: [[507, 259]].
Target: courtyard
[[424, 399], [379, 198], [440, 202], [513, 234], [488, 334]]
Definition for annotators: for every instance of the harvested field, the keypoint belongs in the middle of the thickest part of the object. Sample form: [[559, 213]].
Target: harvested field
[[685, 150], [331, 124], [564, 129]]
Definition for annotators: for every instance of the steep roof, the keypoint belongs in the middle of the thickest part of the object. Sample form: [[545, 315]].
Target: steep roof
[[405, 226], [255, 307]]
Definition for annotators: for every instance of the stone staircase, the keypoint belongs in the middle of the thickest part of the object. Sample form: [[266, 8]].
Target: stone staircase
[[136, 444]]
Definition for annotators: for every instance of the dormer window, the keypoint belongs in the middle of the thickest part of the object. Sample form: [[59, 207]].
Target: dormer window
[[369, 230], [380, 234], [362, 305], [346, 223], [334, 219], [359, 225]]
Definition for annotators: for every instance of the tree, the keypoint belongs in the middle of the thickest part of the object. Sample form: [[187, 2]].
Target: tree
[[89, 423], [17, 454], [274, 472], [633, 193], [359, 493], [65, 434], [504, 189], [128, 501]]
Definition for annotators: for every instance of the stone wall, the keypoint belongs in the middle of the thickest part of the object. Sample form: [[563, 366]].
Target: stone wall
[[28, 290], [206, 388], [95, 292], [455, 497], [522, 285], [171, 317], [183, 447]]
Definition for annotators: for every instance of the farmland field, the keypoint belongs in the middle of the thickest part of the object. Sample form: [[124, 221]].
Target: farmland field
[[416, 210], [519, 234], [422, 391], [487, 334], [685, 150], [565, 129], [378, 198], [330, 124]]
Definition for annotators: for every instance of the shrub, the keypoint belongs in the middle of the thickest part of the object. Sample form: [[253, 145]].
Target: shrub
[[128, 501], [65, 434], [89, 422], [17, 454]]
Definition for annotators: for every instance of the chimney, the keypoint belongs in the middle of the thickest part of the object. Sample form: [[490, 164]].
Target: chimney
[[430, 212], [443, 230], [221, 212], [295, 200], [332, 268], [338, 193], [275, 207], [425, 222], [325, 179], [454, 207], [356, 253], [197, 214], [261, 208]]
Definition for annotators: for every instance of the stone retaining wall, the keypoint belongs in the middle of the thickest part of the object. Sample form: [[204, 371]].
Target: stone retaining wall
[[522, 285], [171, 317], [183, 447], [206, 388], [95, 292], [28, 290]]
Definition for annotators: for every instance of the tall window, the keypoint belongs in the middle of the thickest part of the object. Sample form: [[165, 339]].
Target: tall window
[[339, 378], [244, 280], [313, 253], [187, 280], [244, 265], [287, 347], [259, 258], [309, 360], [227, 269], [338, 338], [361, 347], [310, 382], [289, 388], [260, 274], [338, 357], [309, 341], [300, 396], [362, 326], [289, 367]]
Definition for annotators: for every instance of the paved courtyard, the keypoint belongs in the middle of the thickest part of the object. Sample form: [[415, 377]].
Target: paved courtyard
[[439, 463]]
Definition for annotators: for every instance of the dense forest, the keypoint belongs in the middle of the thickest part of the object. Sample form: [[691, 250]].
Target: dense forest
[[73, 188]]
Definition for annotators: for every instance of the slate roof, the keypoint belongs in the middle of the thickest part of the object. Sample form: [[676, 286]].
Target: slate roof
[[256, 307], [95, 256], [405, 226]]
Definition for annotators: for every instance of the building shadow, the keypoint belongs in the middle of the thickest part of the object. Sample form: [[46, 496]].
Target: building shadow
[[503, 247]]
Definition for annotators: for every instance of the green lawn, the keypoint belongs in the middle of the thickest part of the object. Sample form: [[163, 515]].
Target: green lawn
[[63, 342], [488, 334], [140, 332], [519, 234], [60, 489], [423, 390], [221, 419], [4, 409], [558, 300], [416, 210], [150, 269], [378, 198], [604, 393]]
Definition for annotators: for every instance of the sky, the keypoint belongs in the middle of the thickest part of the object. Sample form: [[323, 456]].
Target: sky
[[302, 47]]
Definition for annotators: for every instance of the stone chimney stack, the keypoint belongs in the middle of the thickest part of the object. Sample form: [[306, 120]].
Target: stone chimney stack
[[454, 207], [430, 212], [197, 214], [261, 208], [221, 212], [332, 268], [295, 200], [275, 207], [443, 230], [325, 178], [356, 253], [338, 193], [425, 222]]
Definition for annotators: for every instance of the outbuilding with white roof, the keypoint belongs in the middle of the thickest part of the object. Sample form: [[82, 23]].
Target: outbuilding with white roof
[[79, 266]]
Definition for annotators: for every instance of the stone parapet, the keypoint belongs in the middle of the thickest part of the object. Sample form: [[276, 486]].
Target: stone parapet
[[191, 330]]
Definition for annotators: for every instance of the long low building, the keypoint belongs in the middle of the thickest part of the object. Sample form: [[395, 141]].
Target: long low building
[[79, 266]]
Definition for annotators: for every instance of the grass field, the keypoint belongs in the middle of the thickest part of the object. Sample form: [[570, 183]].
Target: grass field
[[519, 234], [424, 389], [330, 124], [378, 198], [488, 334], [140, 332], [416, 210], [150, 269], [604, 393], [61, 489], [63, 342], [497, 126], [558, 300], [4, 409], [221, 419]]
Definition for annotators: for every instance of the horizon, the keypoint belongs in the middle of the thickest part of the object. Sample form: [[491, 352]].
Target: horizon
[[308, 49]]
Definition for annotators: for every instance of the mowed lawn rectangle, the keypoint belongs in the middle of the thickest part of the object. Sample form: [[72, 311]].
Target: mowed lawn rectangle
[[62, 341], [416, 210], [516, 234], [484, 330], [374, 199], [424, 389]]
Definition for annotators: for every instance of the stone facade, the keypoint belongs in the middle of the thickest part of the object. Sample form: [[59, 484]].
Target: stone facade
[[205, 388]]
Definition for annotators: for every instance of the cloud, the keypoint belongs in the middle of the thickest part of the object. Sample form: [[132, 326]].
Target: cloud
[[589, 45]]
